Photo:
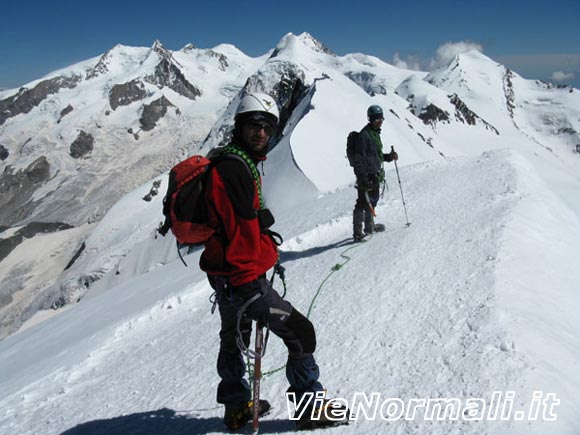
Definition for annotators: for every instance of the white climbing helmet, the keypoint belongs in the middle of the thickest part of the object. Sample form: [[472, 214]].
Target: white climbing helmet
[[257, 102]]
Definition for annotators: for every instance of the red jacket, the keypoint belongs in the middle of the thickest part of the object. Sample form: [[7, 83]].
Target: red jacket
[[238, 249]]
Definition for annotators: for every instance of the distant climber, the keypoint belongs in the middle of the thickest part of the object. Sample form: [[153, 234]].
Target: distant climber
[[367, 161]]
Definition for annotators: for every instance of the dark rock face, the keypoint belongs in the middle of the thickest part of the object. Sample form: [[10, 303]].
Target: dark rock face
[[27, 99], [508, 90], [126, 93], [27, 232], [288, 91], [153, 192], [167, 74], [82, 145], [367, 82], [38, 171], [3, 152], [433, 114], [154, 112], [464, 114], [18, 187], [76, 256], [68, 109], [101, 67], [222, 59]]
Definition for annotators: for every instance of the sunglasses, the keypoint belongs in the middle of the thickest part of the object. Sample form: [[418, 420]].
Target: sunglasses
[[256, 126]]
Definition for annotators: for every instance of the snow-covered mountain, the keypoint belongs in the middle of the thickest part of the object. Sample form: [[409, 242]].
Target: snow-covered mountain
[[480, 289]]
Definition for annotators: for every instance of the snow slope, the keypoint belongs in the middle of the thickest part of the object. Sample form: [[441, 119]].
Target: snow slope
[[431, 319]]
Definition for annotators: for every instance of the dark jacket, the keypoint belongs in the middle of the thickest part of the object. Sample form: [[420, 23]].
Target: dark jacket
[[368, 156], [238, 250]]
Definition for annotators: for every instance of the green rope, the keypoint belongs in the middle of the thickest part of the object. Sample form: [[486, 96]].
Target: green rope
[[333, 269]]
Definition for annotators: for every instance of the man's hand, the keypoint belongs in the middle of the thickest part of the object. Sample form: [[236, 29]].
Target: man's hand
[[392, 156]]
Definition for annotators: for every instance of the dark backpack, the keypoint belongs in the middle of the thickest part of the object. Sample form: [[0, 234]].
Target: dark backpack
[[351, 144]]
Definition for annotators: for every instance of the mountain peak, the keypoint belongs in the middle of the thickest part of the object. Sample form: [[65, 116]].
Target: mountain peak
[[470, 57], [313, 43], [188, 47], [163, 53], [158, 48], [292, 43]]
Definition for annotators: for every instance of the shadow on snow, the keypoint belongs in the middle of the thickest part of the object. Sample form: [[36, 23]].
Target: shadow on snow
[[168, 422]]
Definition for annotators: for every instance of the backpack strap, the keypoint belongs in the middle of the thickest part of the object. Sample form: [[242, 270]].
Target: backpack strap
[[235, 151]]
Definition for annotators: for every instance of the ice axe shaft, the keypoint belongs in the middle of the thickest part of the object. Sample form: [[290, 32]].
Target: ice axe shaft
[[368, 200], [257, 378], [401, 189]]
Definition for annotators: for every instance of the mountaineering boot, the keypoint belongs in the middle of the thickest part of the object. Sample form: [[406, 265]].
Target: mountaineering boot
[[236, 415], [320, 415], [375, 228], [357, 224], [370, 225]]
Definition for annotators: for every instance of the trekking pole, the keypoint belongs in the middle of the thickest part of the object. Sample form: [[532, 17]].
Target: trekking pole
[[401, 188], [257, 377]]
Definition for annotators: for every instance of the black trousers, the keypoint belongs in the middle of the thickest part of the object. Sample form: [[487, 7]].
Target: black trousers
[[283, 320], [362, 213]]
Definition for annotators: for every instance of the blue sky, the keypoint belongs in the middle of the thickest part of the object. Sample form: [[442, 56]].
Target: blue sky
[[536, 38]]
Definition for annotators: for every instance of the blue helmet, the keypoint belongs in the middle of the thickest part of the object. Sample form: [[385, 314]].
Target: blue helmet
[[375, 112]]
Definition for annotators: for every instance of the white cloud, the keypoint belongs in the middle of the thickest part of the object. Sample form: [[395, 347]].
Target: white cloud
[[446, 52], [561, 76], [411, 62]]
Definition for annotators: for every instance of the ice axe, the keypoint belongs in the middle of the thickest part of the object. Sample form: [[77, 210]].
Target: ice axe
[[368, 200], [257, 378], [401, 189]]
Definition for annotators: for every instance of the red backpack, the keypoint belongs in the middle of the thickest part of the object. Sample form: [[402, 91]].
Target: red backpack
[[184, 207]]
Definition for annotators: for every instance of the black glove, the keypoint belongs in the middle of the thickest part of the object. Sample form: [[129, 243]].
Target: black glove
[[391, 156]]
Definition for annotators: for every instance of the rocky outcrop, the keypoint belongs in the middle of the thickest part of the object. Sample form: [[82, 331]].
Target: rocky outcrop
[[465, 115], [82, 145], [284, 81], [289, 91], [3, 152], [126, 93], [508, 90], [17, 188], [167, 74], [432, 114], [153, 192], [154, 112], [68, 109], [27, 99], [367, 81], [101, 67], [222, 59], [76, 256]]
